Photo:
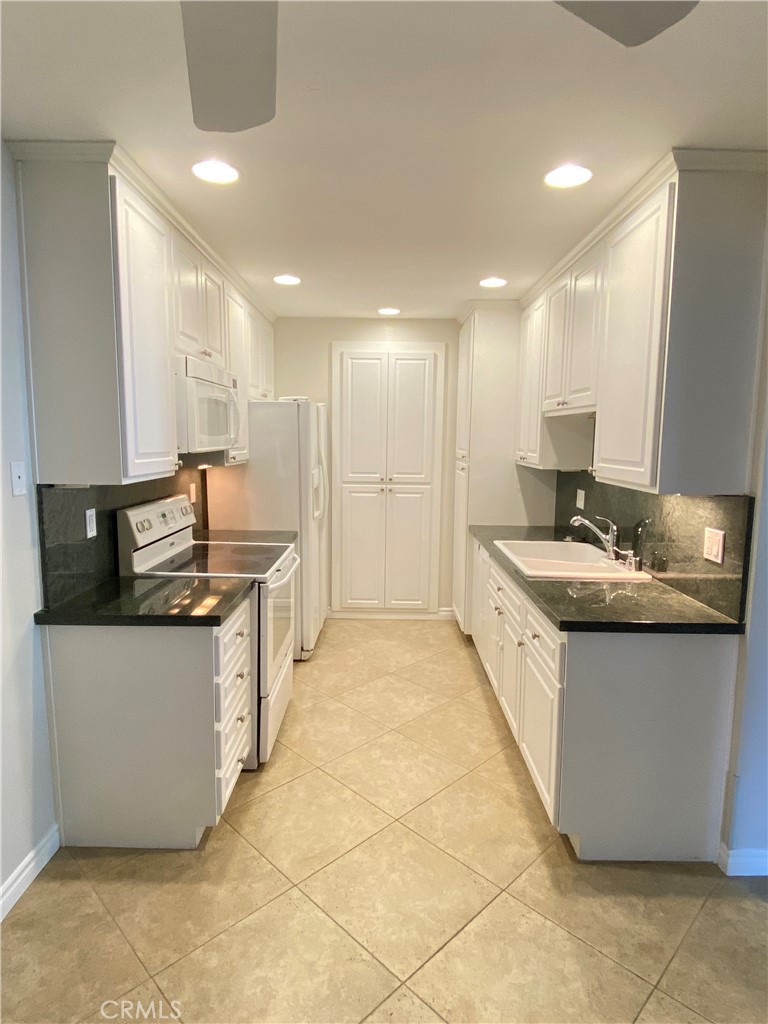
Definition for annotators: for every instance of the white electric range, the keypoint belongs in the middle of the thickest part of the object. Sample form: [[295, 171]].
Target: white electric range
[[156, 540]]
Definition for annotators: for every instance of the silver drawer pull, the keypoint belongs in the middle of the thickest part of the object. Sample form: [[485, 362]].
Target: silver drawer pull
[[520, 643], [241, 675], [241, 718], [241, 760], [534, 636], [499, 590], [240, 634]]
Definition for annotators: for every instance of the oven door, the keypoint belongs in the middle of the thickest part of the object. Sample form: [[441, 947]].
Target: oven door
[[276, 622], [213, 416]]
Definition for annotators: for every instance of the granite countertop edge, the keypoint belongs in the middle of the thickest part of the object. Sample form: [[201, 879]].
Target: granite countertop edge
[[85, 608], [687, 615]]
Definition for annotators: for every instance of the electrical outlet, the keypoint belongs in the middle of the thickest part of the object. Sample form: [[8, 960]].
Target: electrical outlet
[[714, 545], [580, 498], [18, 479], [193, 493], [90, 523]]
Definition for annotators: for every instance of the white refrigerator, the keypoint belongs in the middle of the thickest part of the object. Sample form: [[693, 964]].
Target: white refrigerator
[[284, 486]]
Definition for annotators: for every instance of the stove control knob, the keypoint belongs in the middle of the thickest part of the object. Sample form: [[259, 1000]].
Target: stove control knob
[[140, 526], [147, 524]]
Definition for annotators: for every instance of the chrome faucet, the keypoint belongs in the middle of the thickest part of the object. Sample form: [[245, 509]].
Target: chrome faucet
[[607, 539]]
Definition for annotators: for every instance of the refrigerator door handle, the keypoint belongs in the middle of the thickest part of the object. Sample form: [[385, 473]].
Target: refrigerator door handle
[[324, 475], [318, 498]]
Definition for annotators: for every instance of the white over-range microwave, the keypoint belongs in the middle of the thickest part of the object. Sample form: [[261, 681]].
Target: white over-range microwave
[[207, 410]]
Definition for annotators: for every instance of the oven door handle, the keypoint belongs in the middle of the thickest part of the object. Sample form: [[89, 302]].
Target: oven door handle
[[271, 587]]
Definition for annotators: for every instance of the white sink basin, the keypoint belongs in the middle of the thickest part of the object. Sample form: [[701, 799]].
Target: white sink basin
[[565, 560]]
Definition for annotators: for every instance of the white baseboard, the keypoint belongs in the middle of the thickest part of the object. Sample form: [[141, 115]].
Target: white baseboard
[[441, 613], [743, 862], [28, 870]]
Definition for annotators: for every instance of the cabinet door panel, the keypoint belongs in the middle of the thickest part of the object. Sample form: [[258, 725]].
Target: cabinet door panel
[[491, 650], [411, 417], [363, 434], [558, 300], [541, 703], [363, 518], [409, 516], [533, 383], [213, 315], [632, 345], [461, 605], [260, 347], [236, 339], [144, 285], [523, 397], [187, 267], [582, 349], [480, 574], [509, 676], [464, 392]]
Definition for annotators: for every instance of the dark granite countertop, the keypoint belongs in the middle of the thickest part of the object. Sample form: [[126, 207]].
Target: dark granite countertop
[[135, 601], [249, 536], [587, 606]]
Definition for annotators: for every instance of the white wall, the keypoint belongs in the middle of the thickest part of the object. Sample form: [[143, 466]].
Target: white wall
[[27, 810], [303, 367], [745, 830]]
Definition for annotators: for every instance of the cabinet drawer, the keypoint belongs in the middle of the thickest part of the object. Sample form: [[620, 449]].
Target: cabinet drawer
[[509, 596], [226, 779], [545, 641], [227, 689], [232, 637], [229, 734]]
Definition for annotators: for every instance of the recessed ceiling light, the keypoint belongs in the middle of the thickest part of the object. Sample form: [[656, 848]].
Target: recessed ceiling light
[[389, 311], [215, 171], [286, 279], [568, 176], [492, 282]]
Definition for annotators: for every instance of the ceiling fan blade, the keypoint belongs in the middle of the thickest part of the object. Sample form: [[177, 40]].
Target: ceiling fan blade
[[631, 22], [232, 62]]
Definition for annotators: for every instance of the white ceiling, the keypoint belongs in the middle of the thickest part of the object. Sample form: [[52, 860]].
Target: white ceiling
[[406, 157]]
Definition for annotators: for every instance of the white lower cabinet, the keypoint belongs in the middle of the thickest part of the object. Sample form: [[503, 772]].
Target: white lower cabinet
[[409, 516], [153, 725], [625, 735], [363, 515]]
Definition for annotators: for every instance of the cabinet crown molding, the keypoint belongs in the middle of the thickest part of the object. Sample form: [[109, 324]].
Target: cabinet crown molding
[[505, 305], [665, 170], [108, 152], [55, 149]]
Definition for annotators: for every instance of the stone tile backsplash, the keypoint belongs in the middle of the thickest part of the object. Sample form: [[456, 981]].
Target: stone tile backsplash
[[70, 564], [675, 532]]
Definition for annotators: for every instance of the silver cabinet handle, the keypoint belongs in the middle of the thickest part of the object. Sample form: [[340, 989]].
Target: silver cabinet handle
[[241, 675], [240, 634], [520, 643], [241, 760], [233, 458], [381, 489], [241, 718], [499, 590], [534, 636]]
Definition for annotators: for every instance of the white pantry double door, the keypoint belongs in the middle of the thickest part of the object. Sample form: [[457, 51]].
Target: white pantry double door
[[387, 455]]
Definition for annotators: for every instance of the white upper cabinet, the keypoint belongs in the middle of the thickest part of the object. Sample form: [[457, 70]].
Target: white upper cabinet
[[558, 310], [580, 377], [261, 384], [464, 391], [143, 255], [363, 416], [632, 349], [410, 417], [531, 365], [213, 315], [187, 268], [662, 332], [237, 346]]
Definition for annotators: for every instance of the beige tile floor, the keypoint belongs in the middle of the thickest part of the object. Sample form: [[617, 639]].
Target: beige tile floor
[[391, 863]]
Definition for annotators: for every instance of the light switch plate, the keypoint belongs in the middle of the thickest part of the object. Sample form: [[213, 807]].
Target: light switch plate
[[18, 479], [714, 545], [90, 523], [580, 498]]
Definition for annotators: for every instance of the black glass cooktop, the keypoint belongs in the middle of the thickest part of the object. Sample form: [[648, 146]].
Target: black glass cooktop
[[250, 561]]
